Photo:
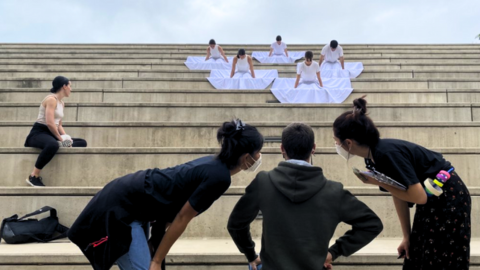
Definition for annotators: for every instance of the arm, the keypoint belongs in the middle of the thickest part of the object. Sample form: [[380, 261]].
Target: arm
[[286, 52], [208, 54], [342, 61], [322, 57], [234, 64], [223, 54], [270, 53], [243, 214], [415, 193], [250, 62], [297, 81], [50, 106], [365, 226], [319, 79], [403, 213], [60, 128], [173, 233]]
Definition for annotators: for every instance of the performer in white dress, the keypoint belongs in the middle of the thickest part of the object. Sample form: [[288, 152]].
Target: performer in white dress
[[308, 71], [214, 51], [242, 63], [332, 53], [278, 48]]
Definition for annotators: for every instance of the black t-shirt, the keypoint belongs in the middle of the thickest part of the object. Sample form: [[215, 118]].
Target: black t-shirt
[[406, 162], [201, 182]]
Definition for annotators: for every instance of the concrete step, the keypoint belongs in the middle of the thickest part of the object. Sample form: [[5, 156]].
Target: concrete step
[[205, 112], [98, 166], [168, 134], [230, 50], [242, 96], [202, 46], [146, 64], [202, 83], [200, 74], [184, 54], [70, 201], [179, 60], [200, 254]]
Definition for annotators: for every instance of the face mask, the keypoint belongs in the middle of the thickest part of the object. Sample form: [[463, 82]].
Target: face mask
[[342, 152], [255, 165]]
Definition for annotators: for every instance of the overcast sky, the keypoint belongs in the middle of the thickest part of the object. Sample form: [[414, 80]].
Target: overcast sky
[[239, 21]]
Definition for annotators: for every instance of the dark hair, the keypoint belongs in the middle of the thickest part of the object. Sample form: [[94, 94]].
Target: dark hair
[[356, 125], [279, 38], [240, 52], [309, 55], [298, 140], [212, 42], [58, 83], [333, 44], [236, 139]]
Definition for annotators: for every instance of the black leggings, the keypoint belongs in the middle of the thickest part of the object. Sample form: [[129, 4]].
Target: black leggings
[[41, 137]]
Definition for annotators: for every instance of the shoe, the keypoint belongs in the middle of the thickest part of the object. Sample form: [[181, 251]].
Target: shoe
[[35, 181], [65, 143]]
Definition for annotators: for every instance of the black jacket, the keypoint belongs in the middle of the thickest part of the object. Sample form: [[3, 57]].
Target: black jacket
[[301, 210]]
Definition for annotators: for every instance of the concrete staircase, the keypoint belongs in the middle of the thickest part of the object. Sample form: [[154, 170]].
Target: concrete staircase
[[139, 107]]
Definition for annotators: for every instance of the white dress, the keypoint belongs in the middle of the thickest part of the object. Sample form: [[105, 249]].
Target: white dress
[[215, 52], [242, 65]]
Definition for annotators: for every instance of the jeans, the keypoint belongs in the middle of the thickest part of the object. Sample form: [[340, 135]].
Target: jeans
[[138, 257]]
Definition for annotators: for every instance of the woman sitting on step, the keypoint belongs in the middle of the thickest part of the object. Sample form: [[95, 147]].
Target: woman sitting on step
[[215, 52], [242, 64], [114, 225], [440, 235], [47, 132], [308, 72]]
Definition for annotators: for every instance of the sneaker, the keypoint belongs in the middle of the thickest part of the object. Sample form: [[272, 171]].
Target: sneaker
[[35, 181], [65, 143]]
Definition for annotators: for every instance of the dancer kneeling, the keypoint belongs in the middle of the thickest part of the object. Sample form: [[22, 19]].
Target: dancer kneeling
[[242, 64], [214, 51], [112, 228], [308, 71]]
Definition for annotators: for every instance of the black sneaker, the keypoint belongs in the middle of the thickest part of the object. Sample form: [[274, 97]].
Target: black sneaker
[[35, 181]]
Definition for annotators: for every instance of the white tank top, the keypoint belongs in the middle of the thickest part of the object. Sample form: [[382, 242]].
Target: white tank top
[[215, 53], [242, 64], [58, 114]]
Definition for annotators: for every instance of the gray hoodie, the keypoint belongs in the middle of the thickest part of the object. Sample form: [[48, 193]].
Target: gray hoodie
[[301, 210]]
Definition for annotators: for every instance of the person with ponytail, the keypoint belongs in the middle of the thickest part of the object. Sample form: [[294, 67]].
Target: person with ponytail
[[308, 71], [441, 231], [47, 133], [215, 51], [113, 227], [242, 64]]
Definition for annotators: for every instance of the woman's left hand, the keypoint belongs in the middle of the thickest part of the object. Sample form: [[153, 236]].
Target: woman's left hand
[[370, 180]]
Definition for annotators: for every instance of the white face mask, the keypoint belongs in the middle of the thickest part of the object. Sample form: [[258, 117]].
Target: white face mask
[[342, 152], [255, 165]]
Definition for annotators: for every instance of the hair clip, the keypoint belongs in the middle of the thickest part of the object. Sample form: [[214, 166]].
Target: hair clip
[[240, 125]]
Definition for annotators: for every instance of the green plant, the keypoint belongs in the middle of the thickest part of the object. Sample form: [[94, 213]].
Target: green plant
[[478, 37]]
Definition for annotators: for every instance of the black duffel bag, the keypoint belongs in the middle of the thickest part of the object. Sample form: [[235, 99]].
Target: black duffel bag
[[16, 230]]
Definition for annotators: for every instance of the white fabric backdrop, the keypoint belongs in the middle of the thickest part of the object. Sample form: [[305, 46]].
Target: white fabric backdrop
[[220, 79], [198, 62], [334, 90], [328, 69], [262, 57]]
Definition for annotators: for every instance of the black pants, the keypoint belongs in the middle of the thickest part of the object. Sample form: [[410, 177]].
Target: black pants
[[41, 137]]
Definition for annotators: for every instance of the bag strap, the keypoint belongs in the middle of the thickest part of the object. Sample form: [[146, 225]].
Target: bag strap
[[63, 230], [53, 212]]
